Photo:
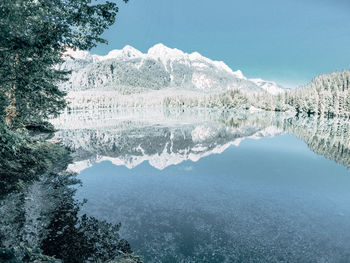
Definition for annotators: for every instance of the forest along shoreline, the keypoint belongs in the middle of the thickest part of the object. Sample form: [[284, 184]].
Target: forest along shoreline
[[31, 47]]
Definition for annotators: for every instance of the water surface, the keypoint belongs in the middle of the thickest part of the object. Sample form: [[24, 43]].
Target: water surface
[[188, 186], [217, 186]]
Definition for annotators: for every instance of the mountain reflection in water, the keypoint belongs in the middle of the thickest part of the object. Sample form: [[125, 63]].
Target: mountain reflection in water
[[185, 192], [170, 136]]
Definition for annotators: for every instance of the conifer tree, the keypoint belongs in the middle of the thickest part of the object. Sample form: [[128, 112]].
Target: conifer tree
[[34, 35]]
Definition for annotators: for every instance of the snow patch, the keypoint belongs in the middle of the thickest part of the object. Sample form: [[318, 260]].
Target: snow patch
[[269, 86], [201, 133]]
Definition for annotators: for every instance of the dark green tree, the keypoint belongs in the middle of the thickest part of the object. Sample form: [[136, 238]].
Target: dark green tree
[[34, 35]]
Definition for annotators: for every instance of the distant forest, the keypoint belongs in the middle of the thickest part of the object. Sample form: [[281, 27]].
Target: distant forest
[[327, 95]]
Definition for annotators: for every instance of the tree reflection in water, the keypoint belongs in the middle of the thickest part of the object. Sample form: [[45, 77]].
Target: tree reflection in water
[[329, 138], [41, 221], [40, 216], [130, 135]]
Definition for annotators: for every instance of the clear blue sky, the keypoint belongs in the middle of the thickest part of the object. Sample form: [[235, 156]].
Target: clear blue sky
[[288, 41]]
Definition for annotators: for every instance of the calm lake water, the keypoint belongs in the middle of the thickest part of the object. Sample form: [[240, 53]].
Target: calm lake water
[[201, 186], [213, 186], [271, 200]]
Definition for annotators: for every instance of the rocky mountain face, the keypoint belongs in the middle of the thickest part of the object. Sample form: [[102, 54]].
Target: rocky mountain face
[[129, 71]]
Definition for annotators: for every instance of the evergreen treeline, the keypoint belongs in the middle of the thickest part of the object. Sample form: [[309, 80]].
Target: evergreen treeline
[[232, 99], [327, 96], [34, 35]]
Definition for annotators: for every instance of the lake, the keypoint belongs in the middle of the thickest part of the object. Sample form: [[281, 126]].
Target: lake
[[211, 186], [215, 186]]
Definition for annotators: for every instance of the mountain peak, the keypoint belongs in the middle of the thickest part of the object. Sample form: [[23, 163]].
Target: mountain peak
[[159, 47], [239, 74], [162, 51], [131, 49], [269, 86], [128, 52]]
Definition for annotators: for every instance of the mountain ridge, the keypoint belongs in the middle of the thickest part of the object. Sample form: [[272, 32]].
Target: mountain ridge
[[161, 67]]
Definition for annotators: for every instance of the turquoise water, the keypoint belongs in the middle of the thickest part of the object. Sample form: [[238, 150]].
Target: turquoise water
[[269, 199], [189, 185]]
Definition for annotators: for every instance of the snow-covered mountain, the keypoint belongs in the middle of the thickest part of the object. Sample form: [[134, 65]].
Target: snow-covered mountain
[[129, 71], [269, 86]]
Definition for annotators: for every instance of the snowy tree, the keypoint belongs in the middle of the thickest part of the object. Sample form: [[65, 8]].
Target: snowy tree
[[33, 37]]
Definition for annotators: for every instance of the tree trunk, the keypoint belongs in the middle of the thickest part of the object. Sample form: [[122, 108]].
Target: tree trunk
[[11, 111]]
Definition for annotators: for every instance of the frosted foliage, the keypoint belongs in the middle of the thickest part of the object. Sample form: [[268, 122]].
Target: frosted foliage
[[327, 95]]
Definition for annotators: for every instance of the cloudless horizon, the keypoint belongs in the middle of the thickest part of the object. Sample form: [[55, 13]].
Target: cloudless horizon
[[287, 41]]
